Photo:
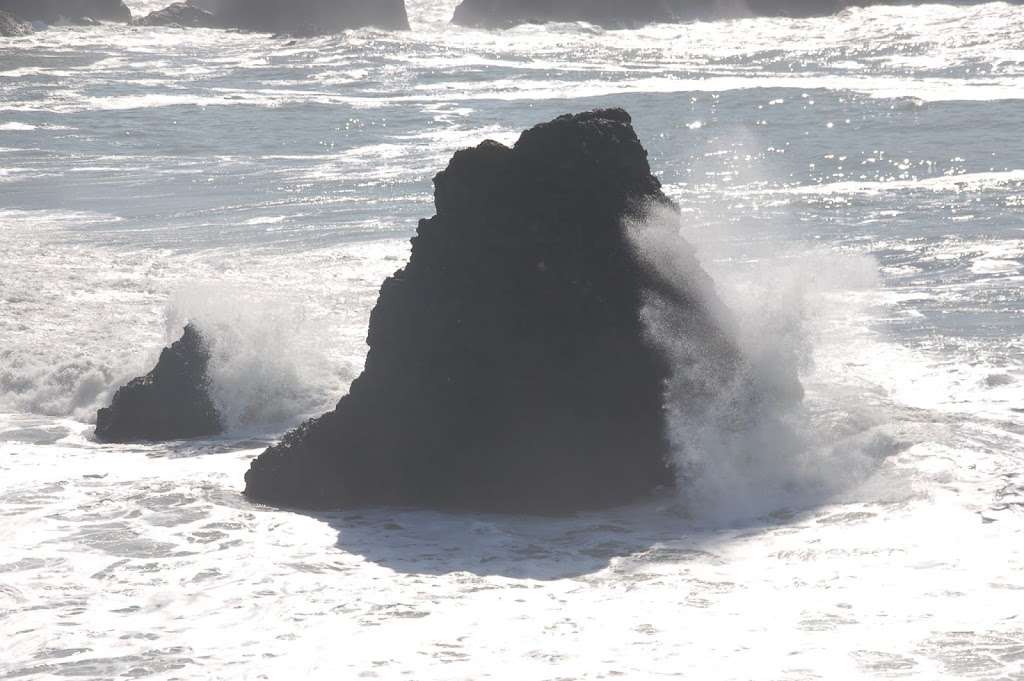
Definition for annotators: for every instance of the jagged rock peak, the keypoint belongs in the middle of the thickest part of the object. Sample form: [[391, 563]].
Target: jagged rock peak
[[183, 14], [170, 402], [508, 367]]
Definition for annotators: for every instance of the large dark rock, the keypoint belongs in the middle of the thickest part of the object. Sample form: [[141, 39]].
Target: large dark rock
[[52, 11], [618, 14], [183, 14], [171, 402], [508, 368], [306, 17], [11, 26]]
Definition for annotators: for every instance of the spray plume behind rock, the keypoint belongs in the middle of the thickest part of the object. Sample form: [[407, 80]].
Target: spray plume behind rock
[[752, 444]]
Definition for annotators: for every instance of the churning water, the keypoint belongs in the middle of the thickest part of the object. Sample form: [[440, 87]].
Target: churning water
[[854, 185]]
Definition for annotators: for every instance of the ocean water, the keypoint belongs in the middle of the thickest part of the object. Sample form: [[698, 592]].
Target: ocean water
[[854, 184]]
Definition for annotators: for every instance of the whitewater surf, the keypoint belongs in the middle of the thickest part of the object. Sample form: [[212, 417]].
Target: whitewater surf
[[854, 185]]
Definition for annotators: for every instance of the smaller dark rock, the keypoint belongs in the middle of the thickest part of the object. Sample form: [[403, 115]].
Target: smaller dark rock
[[180, 14], [11, 26], [171, 402]]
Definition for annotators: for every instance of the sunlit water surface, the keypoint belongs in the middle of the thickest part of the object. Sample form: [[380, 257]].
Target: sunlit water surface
[[855, 185]]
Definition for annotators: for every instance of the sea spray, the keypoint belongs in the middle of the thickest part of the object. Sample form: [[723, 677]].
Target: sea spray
[[74, 387], [267, 367], [747, 439]]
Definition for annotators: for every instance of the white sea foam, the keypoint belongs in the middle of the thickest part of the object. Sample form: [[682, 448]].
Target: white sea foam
[[916, 572], [952, 182], [747, 442], [273, 365], [267, 365]]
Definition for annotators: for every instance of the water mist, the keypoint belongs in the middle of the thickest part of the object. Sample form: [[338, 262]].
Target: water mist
[[267, 368], [747, 439]]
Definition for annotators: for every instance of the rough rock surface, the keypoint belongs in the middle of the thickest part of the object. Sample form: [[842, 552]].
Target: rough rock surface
[[169, 403], [11, 25], [307, 17], [617, 14], [508, 368], [180, 14], [52, 11]]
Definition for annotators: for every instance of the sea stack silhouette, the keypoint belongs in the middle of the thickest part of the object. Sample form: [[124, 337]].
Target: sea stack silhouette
[[171, 402], [616, 14], [508, 367], [181, 14], [299, 17]]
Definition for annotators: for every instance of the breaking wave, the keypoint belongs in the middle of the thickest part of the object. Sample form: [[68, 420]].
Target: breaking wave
[[267, 365], [748, 440]]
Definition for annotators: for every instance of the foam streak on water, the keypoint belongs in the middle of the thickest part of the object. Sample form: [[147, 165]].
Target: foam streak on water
[[854, 185]]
